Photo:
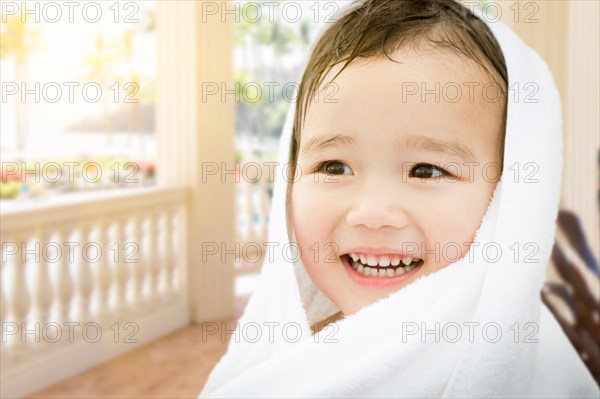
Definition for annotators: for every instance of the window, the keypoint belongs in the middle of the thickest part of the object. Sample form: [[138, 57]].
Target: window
[[77, 97]]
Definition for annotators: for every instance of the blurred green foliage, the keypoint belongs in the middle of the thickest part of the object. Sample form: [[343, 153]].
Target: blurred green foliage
[[272, 54]]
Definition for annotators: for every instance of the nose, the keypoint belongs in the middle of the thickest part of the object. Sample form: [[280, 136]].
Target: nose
[[375, 208]]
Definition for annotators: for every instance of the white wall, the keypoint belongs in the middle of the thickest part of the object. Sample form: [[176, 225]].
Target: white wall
[[567, 36]]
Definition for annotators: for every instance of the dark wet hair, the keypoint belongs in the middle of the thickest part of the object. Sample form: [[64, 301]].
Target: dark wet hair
[[374, 28]]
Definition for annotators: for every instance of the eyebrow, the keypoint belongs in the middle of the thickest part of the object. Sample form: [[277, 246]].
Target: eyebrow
[[441, 146], [322, 143], [450, 147]]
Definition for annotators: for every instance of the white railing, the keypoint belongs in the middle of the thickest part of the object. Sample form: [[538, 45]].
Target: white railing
[[84, 280], [253, 206]]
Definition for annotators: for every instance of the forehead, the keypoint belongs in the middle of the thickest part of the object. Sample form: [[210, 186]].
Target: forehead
[[424, 93]]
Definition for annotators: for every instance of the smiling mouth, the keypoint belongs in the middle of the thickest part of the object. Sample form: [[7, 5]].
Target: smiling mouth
[[381, 266]]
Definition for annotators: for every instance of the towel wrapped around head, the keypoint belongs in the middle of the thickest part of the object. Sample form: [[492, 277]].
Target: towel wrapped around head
[[475, 328]]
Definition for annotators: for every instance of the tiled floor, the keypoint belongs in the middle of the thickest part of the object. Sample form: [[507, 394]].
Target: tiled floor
[[175, 366]]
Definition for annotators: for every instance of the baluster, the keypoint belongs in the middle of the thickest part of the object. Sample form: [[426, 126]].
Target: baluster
[[249, 208], [153, 258], [102, 271], [42, 289], [264, 211], [170, 252], [18, 296], [84, 283], [137, 265], [42, 292], [238, 212], [64, 280], [3, 309], [120, 268], [4, 357]]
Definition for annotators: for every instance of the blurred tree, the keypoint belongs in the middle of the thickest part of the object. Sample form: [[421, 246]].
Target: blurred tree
[[101, 71], [18, 40], [130, 82], [112, 65], [264, 46]]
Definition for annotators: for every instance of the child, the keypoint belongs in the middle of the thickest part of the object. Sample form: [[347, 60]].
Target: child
[[394, 166], [412, 240]]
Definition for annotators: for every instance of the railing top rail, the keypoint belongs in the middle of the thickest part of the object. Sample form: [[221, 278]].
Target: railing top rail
[[74, 207]]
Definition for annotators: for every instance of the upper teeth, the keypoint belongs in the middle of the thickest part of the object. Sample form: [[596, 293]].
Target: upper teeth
[[383, 260]]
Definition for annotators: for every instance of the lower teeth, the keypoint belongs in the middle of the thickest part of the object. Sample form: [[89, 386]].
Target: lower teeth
[[384, 271]]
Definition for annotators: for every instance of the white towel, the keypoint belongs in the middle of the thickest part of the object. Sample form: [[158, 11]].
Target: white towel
[[373, 352]]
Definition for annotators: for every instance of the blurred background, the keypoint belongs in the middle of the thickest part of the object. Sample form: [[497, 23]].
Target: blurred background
[[137, 141]]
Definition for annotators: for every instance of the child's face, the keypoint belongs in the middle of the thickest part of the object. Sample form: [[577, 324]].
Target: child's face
[[375, 200]]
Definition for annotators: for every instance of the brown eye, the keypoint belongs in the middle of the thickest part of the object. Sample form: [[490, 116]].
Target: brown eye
[[334, 168], [427, 171]]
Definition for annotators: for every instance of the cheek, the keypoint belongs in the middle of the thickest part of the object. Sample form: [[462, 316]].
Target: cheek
[[313, 222], [305, 210], [314, 210], [453, 225]]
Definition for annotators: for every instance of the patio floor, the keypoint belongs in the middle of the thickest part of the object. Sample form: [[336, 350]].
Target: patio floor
[[175, 366]]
